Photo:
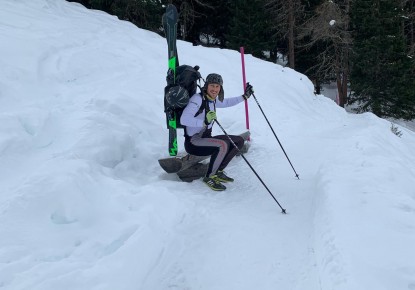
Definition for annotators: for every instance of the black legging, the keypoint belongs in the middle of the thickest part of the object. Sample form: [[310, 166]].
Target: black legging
[[219, 147]]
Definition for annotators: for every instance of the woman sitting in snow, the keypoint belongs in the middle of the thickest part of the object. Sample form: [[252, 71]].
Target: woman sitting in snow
[[198, 129]]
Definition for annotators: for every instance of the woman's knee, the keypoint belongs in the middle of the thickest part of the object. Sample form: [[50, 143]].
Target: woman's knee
[[239, 141]]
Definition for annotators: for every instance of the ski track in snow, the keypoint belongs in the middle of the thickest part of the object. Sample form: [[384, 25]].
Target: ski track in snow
[[208, 236]]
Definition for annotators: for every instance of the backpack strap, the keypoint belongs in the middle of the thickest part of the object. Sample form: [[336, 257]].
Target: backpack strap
[[202, 107], [205, 106]]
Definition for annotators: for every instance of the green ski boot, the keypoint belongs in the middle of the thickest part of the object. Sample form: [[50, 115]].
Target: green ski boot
[[221, 176], [214, 183]]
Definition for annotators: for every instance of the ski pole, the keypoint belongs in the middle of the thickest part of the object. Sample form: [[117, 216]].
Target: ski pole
[[244, 86], [296, 175], [233, 143]]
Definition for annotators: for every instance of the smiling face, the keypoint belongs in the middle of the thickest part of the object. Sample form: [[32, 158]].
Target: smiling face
[[213, 90]]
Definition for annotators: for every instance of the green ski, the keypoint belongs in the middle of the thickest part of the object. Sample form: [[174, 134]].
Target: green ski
[[170, 19]]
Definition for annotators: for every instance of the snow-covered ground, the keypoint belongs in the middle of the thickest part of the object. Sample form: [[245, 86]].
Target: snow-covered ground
[[85, 205], [330, 91]]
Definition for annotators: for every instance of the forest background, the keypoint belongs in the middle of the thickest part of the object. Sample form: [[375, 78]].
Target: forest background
[[367, 47]]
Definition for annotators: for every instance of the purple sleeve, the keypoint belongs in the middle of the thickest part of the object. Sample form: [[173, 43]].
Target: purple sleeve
[[229, 102]]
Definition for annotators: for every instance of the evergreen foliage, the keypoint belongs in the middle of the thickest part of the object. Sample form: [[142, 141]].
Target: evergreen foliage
[[382, 65], [145, 14], [309, 50], [250, 27], [210, 23], [382, 78]]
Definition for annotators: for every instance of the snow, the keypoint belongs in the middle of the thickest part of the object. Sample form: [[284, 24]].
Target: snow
[[85, 205]]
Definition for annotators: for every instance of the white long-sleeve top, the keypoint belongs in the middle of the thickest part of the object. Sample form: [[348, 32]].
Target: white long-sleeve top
[[196, 124]]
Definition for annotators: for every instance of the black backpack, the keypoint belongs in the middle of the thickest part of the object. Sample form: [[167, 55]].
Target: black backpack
[[177, 94]]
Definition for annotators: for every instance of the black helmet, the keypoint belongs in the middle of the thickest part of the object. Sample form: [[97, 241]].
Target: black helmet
[[177, 97], [215, 79]]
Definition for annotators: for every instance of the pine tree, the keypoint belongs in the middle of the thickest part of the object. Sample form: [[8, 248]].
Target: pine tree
[[382, 72], [286, 15], [249, 27], [327, 34], [210, 22]]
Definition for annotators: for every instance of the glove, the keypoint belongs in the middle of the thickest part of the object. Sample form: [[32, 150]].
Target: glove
[[249, 90], [210, 116]]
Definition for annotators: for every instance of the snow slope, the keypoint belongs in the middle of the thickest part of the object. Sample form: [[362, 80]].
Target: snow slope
[[84, 204]]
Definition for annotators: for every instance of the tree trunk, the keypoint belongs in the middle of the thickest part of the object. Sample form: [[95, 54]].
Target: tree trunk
[[343, 77], [411, 28], [291, 27], [342, 88]]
